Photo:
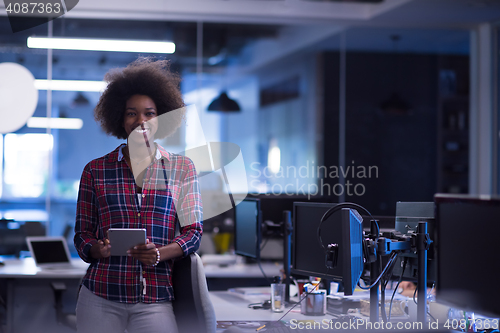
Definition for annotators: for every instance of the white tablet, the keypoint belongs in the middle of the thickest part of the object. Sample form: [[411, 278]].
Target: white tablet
[[122, 240]]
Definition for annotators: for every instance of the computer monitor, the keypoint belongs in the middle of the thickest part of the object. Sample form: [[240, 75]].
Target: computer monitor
[[467, 252], [408, 214], [247, 228], [12, 238], [385, 222], [344, 228], [273, 205]]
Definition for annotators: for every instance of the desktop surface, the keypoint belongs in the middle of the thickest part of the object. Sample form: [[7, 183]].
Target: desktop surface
[[26, 268], [223, 277], [234, 306], [232, 310]]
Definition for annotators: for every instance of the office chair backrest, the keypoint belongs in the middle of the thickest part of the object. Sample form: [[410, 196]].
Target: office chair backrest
[[193, 309]]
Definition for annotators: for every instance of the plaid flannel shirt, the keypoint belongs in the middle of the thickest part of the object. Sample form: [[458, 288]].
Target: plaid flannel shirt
[[107, 198]]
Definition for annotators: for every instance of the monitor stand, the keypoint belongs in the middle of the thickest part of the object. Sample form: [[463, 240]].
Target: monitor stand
[[286, 228], [422, 244]]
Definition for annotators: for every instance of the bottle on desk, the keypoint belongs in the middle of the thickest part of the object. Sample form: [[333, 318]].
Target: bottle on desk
[[277, 295]]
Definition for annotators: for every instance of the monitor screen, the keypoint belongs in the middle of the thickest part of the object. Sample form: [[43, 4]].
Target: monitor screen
[[12, 241], [247, 228], [344, 228], [467, 249]]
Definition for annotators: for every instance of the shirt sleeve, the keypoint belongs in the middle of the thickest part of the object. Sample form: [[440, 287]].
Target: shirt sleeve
[[190, 212], [86, 216]]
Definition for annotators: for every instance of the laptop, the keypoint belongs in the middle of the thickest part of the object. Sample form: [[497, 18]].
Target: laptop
[[50, 252]]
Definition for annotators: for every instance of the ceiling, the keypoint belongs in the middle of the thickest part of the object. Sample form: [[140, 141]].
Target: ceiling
[[229, 25], [234, 29], [219, 39], [418, 13]]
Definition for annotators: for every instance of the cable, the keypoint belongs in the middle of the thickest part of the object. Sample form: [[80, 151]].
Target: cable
[[428, 310], [432, 317], [261, 305], [265, 243], [262, 270], [382, 302], [264, 274], [432, 289], [336, 208], [384, 281], [405, 261], [415, 301], [381, 274], [301, 299], [390, 270]]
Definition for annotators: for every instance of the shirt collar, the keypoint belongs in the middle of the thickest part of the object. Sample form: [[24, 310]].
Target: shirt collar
[[160, 152]]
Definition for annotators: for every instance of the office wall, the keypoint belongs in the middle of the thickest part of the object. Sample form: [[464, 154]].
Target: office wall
[[394, 156], [402, 147], [77, 148], [289, 124]]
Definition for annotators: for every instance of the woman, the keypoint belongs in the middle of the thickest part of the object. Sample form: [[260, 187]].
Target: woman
[[138, 185]]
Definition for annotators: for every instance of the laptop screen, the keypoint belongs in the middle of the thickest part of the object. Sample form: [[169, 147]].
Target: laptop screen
[[46, 250]]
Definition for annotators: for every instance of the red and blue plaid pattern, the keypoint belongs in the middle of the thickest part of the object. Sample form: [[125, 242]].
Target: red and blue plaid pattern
[[108, 199]]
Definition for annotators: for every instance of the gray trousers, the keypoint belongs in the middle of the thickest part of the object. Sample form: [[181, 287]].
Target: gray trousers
[[96, 314]]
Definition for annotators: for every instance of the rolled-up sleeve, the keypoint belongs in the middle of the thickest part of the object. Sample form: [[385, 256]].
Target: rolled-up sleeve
[[86, 216], [190, 212]]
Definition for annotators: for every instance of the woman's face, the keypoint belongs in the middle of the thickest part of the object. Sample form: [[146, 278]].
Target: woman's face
[[139, 120]]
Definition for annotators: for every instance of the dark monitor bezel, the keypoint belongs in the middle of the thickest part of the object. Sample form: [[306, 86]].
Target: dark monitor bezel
[[258, 231], [346, 276], [442, 294], [294, 249]]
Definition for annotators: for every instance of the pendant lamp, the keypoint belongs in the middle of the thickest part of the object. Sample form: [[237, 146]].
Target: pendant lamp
[[224, 104]]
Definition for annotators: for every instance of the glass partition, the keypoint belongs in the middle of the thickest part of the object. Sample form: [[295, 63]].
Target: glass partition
[[315, 113]]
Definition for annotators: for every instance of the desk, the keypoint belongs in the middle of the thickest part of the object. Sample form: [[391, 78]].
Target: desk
[[26, 269], [29, 296], [233, 307], [221, 278], [30, 299]]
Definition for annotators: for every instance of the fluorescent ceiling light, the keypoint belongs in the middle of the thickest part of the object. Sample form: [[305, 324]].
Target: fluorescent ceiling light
[[85, 44], [68, 85], [60, 123]]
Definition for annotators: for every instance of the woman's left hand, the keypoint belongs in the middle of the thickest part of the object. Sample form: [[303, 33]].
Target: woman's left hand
[[145, 253]]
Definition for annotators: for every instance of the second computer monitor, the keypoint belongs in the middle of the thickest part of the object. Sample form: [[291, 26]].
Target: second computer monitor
[[343, 228], [247, 228], [408, 215], [467, 231]]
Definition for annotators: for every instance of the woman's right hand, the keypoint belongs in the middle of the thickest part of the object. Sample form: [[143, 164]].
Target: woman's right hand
[[101, 250]]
